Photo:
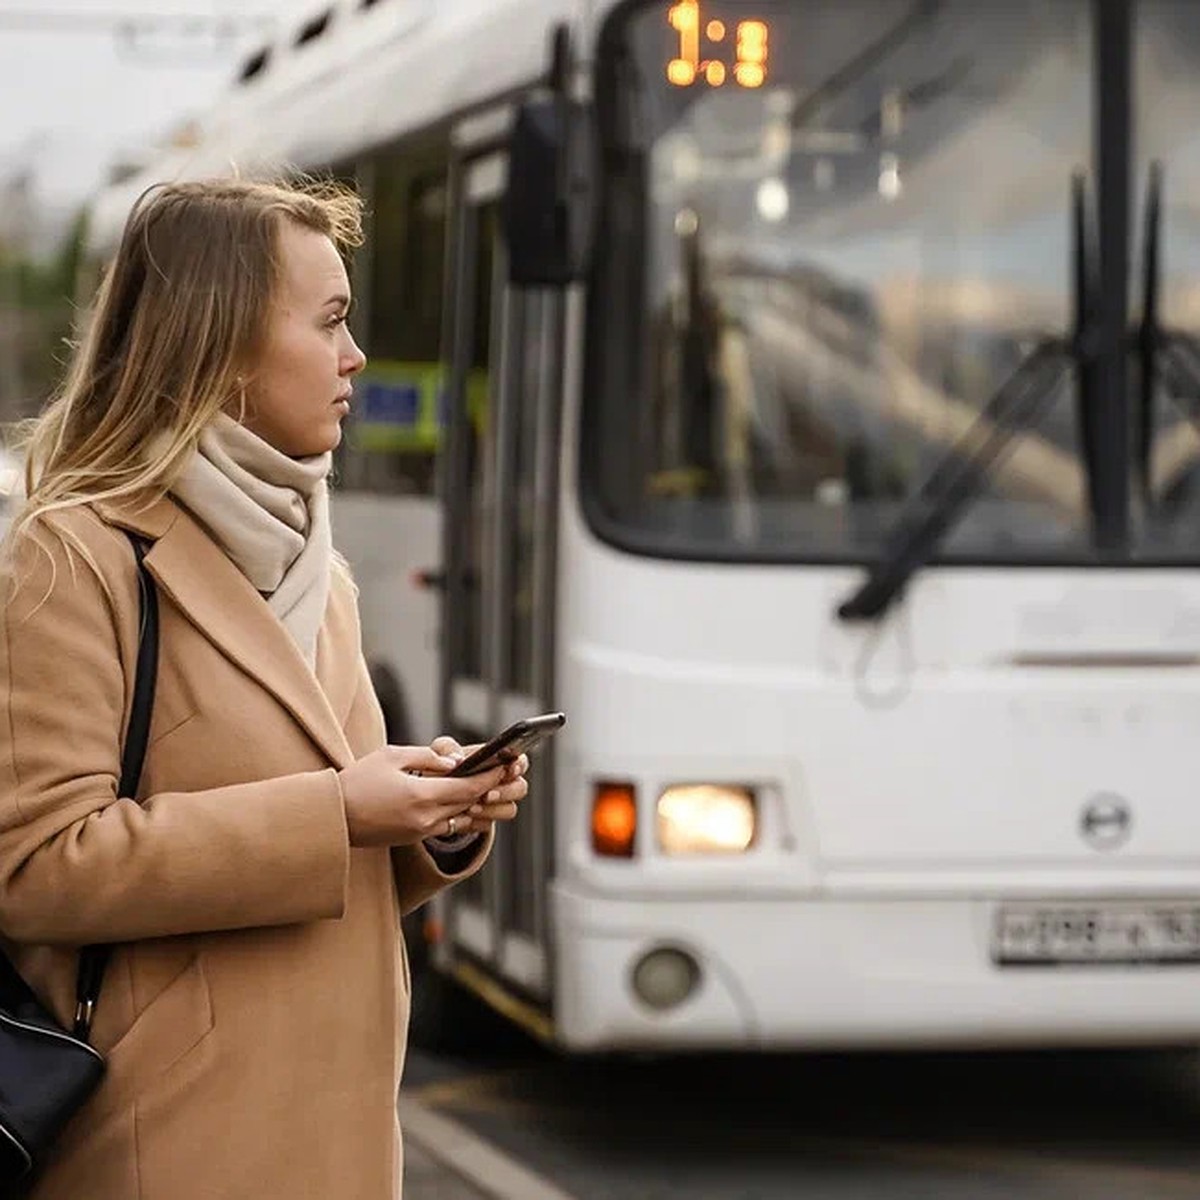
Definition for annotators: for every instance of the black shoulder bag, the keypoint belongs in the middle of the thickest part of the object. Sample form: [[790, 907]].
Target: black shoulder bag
[[46, 1072]]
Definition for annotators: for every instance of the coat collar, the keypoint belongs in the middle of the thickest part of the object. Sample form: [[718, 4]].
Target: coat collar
[[198, 577]]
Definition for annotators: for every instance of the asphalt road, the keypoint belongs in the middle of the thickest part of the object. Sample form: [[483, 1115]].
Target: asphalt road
[[1111, 1125]]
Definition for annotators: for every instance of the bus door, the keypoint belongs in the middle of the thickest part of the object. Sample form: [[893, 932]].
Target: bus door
[[500, 485]]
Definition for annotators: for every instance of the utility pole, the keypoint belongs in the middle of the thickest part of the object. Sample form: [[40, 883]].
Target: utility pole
[[16, 197]]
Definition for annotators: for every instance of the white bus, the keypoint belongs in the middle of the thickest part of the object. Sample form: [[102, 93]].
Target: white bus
[[753, 380]]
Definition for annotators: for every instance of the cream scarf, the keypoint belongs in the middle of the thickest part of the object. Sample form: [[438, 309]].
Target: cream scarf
[[270, 514]]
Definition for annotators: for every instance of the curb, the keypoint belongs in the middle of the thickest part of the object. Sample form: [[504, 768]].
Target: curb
[[465, 1154]]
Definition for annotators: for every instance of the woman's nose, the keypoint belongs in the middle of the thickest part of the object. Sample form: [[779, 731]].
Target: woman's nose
[[354, 361]]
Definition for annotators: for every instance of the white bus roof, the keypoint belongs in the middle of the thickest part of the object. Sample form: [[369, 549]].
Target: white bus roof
[[370, 76]]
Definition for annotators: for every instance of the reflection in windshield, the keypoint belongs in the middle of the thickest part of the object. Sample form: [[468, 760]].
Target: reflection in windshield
[[832, 273]]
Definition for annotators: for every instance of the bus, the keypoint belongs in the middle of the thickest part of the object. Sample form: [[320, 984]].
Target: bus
[[800, 395]]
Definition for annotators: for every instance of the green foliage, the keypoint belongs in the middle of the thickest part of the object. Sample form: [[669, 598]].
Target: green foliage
[[37, 310]]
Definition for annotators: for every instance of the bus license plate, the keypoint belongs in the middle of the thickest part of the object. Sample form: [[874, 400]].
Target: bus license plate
[[1159, 933]]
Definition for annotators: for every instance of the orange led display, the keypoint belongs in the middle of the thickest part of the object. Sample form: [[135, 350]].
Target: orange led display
[[704, 51], [685, 20], [749, 75], [751, 68], [681, 73]]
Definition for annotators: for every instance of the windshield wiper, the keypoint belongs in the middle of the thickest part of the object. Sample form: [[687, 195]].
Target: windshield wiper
[[1149, 334], [959, 477], [1166, 352]]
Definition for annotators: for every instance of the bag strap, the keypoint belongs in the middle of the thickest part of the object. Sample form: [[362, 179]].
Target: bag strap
[[94, 959]]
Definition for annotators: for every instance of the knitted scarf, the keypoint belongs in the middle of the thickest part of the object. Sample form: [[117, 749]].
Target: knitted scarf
[[270, 514]]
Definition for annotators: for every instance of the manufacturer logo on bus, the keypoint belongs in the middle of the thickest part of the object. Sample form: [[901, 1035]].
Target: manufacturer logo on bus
[[1107, 821]]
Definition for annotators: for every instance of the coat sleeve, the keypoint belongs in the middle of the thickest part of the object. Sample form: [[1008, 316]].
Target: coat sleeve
[[80, 864], [417, 873], [419, 878]]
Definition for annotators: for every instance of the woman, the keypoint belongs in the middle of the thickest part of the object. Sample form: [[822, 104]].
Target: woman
[[254, 1013]]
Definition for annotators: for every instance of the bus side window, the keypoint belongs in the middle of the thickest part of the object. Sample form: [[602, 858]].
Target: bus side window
[[395, 431]]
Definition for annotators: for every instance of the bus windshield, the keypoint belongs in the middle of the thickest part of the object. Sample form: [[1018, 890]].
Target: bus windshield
[[832, 230]]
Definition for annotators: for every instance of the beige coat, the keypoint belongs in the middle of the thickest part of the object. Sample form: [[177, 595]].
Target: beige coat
[[254, 1015]]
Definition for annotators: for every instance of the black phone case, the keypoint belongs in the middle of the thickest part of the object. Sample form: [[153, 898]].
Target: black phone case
[[509, 745]]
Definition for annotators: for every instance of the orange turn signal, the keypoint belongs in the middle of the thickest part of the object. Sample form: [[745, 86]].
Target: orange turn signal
[[614, 819]]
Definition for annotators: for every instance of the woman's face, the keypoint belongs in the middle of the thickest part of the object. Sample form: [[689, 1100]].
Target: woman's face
[[300, 390]]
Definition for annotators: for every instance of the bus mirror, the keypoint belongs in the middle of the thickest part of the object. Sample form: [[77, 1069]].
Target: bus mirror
[[547, 211]]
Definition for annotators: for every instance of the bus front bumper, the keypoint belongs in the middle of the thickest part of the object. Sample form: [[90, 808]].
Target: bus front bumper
[[790, 973]]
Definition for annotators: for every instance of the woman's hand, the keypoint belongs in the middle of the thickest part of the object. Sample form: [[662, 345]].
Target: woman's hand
[[500, 803], [397, 796]]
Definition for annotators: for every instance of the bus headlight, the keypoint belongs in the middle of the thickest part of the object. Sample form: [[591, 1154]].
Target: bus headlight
[[706, 818]]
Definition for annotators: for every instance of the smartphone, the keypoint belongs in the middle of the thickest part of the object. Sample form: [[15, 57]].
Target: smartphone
[[508, 746]]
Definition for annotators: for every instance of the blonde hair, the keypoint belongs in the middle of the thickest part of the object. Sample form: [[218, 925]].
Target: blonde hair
[[172, 337]]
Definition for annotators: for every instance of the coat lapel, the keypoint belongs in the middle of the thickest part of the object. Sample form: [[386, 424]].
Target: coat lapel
[[220, 601]]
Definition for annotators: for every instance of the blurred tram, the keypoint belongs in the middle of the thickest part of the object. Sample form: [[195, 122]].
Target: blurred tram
[[800, 394]]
